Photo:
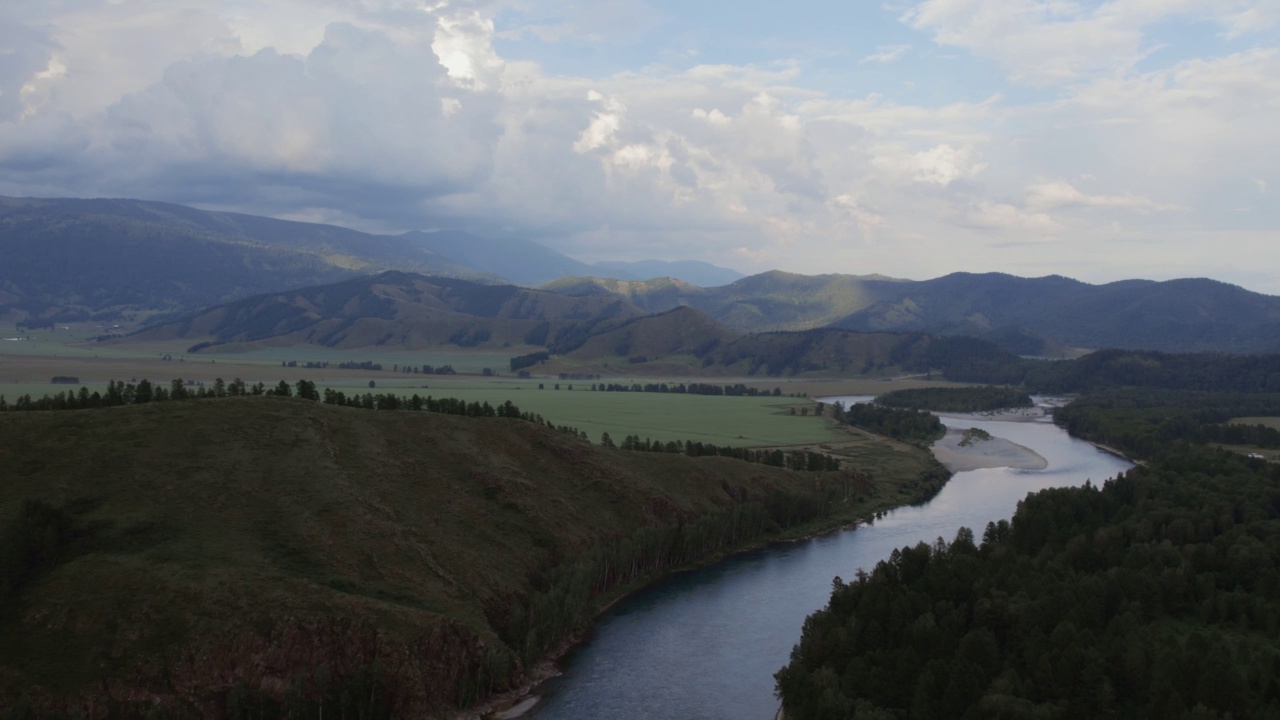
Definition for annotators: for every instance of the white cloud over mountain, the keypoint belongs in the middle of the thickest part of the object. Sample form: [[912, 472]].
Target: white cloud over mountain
[[392, 114]]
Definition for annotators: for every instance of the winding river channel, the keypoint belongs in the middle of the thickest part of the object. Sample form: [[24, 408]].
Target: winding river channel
[[705, 644]]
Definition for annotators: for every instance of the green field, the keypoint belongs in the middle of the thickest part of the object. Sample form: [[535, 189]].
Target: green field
[[26, 367], [734, 421]]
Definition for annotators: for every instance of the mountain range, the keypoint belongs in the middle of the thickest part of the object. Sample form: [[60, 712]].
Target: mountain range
[[100, 259], [1030, 316], [72, 259], [399, 310], [586, 334]]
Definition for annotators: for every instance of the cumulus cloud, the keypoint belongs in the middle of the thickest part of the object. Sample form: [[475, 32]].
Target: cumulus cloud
[[939, 165], [398, 114]]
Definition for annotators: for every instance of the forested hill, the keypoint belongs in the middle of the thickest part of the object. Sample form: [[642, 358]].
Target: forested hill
[[1156, 595], [396, 309], [68, 259], [271, 556]]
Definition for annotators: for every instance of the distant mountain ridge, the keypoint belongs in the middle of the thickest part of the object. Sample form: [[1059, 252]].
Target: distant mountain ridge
[[1029, 316], [1185, 315], [685, 341], [525, 262], [69, 259], [397, 310]]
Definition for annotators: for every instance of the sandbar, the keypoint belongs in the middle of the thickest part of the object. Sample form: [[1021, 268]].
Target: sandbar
[[993, 453]]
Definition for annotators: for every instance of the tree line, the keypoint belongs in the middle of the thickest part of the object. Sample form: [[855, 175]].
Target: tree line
[[1115, 369], [121, 393], [918, 427], [803, 460], [983, 398], [1143, 422], [735, 390]]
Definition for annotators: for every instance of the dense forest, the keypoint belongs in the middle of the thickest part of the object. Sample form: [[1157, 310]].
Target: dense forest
[[917, 427], [1115, 369], [1156, 595], [956, 399], [1144, 422]]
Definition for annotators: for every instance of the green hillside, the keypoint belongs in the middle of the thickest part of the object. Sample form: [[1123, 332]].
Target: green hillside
[[216, 556]]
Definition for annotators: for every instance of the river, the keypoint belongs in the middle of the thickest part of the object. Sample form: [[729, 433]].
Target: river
[[705, 644]]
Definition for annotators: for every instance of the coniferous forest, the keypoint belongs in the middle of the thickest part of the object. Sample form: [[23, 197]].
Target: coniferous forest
[[1154, 595]]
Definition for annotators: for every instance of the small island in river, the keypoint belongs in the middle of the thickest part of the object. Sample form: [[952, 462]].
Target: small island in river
[[962, 450]]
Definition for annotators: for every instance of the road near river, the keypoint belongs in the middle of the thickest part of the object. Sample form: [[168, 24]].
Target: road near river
[[706, 644]]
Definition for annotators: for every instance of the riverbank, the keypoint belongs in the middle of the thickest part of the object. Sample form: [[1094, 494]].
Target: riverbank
[[520, 701], [888, 494], [953, 452]]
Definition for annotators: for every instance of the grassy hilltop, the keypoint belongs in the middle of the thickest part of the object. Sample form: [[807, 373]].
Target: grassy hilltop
[[223, 555]]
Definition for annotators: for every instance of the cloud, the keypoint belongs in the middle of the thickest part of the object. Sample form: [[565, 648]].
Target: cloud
[[1262, 185], [398, 114], [603, 126], [885, 54], [362, 116], [1060, 194], [939, 165], [1006, 217], [1047, 42], [462, 43]]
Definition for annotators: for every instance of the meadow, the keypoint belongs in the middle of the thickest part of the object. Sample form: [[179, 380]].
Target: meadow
[[734, 421], [26, 368]]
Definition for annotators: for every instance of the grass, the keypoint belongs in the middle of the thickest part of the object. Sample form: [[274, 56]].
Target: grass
[[735, 421]]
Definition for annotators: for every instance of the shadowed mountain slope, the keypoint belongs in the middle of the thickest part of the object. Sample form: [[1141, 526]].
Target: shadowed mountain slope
[[72, 259], [685, 341], [1029, 316], [1177, 315], [396, 309]]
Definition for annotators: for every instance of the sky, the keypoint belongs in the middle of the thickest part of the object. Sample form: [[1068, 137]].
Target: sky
[[909, 138]]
